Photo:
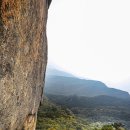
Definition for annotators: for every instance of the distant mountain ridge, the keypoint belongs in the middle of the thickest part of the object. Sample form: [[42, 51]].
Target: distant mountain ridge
[[62, 83]]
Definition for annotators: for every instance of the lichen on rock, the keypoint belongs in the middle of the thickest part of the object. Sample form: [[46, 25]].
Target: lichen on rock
[[23, 59]]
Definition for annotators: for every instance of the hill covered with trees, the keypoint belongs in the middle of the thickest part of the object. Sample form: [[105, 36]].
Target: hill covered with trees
[[56, 117]]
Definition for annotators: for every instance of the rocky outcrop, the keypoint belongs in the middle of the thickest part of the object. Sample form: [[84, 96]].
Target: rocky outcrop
[[23, 58]]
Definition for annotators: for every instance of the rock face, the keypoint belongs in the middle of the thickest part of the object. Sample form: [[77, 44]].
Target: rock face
[[23, 58]]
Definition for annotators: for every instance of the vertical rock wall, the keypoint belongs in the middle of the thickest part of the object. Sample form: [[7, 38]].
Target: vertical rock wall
[[23, 58]]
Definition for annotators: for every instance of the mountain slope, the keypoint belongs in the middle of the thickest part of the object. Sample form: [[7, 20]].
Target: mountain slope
[[88, 102], [56, 117], [61, 85], [97, 109]]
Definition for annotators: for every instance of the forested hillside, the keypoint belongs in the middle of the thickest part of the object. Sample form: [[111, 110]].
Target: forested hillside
[[56, 117]]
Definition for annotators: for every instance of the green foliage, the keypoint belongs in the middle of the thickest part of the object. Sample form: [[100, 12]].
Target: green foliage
[[118, 126], [52, 117], [107, 127], [115, 126]]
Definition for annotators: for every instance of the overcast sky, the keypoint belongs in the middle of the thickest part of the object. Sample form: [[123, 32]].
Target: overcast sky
[[91, 38]]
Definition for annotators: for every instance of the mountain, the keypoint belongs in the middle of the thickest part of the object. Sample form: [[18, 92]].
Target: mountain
[[88, 102], [62, 83]]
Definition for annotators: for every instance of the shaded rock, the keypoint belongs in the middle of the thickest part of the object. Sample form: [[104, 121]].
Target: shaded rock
[[49, 2], [23, 58]]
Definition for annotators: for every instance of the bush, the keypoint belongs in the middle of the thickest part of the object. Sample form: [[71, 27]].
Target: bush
[[107, 127], [117, 125]]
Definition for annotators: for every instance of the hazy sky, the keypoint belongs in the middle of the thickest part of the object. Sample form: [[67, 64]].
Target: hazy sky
[[91, 38]]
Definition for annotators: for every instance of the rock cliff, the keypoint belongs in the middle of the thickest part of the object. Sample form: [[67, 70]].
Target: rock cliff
[[23, 58]]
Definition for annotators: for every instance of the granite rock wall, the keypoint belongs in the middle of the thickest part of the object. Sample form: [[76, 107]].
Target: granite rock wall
[[23, 59]]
